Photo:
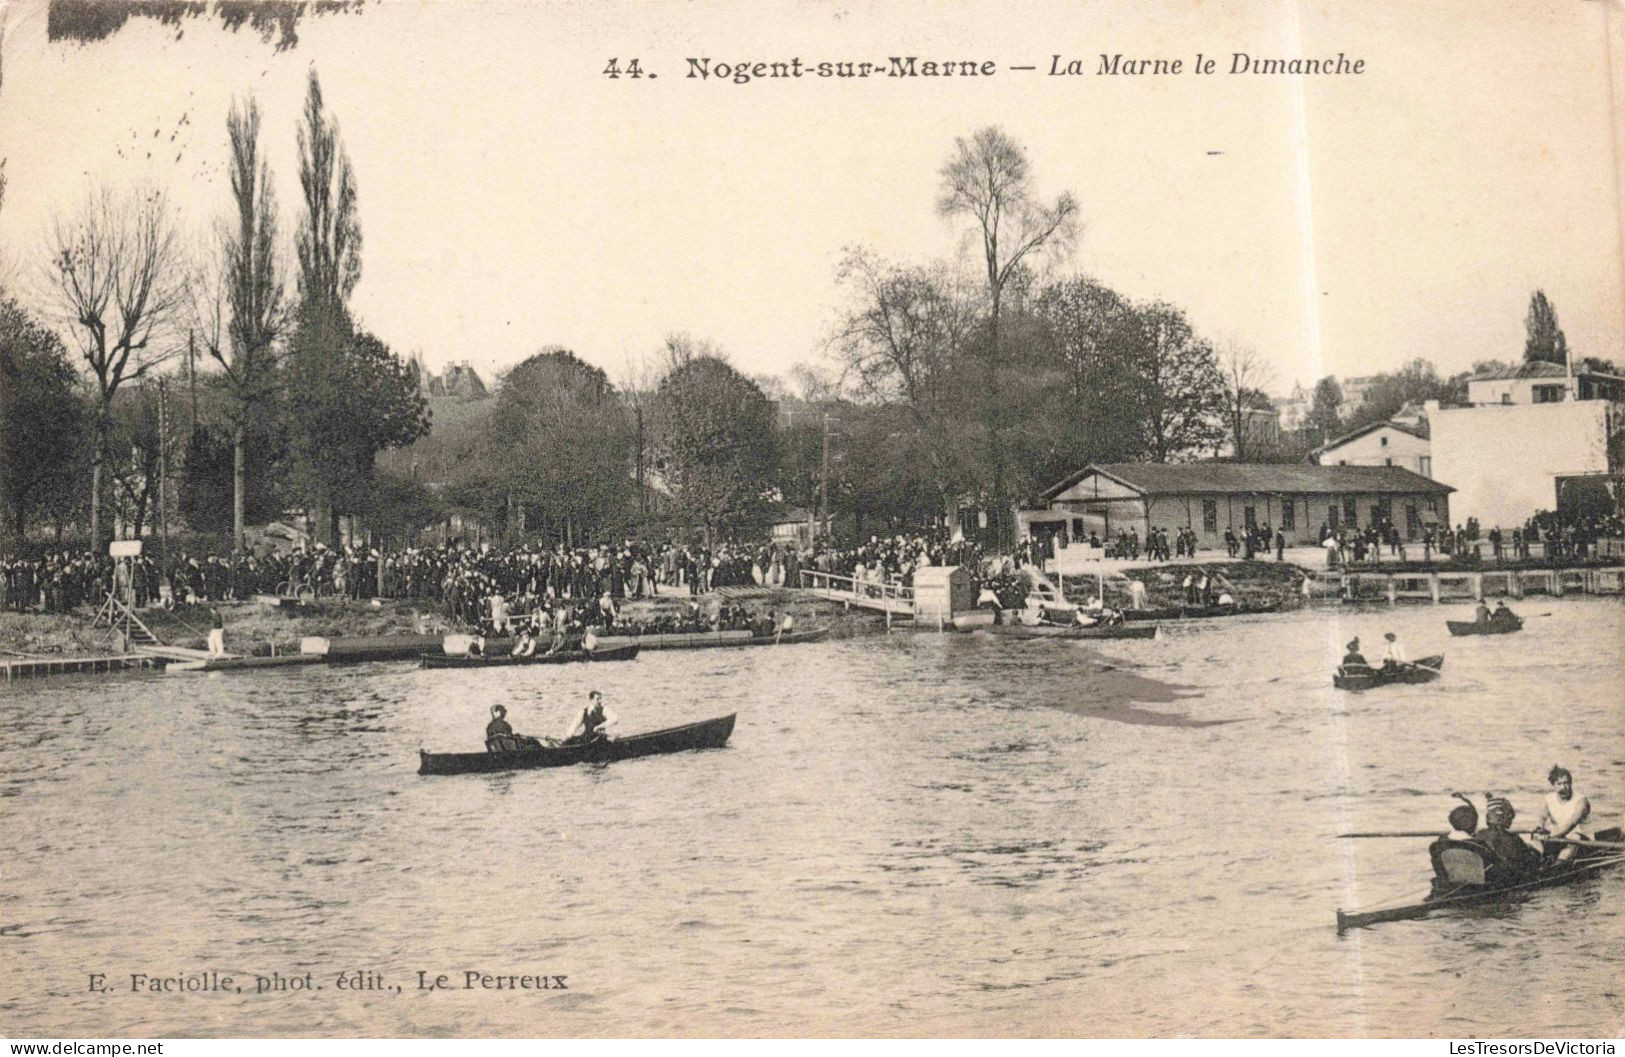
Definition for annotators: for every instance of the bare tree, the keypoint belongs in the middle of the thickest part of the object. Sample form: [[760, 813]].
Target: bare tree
[[241, 301], [1245, 375], [116, 275], [987, 179]]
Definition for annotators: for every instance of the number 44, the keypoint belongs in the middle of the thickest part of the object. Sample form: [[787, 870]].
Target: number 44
[[614, 69]]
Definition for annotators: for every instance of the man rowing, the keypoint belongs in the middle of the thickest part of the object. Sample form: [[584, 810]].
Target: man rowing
[[1562, 812], [591, 722], [1463, 820], [1517, 858], [1393, 656], [1503, 614]]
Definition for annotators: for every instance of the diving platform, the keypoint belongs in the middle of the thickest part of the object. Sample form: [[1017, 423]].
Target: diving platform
[[894, 600]]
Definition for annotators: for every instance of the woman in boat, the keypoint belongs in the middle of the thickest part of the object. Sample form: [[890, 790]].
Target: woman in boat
[[1463, 820], [1354, 659], [499, 722], [526, 646], [1517, 860]]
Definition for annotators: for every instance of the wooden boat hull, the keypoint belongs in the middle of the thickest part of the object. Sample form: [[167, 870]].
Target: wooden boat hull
[[1050, 631], [615, 653], [237, 664], [702, 640], [708, 734], [1198, 612], [1424, 670], [1493, 627], [1587, 863]]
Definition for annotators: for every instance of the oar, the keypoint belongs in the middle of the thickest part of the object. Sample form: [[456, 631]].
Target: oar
[[1412, 833], [1587, 843]]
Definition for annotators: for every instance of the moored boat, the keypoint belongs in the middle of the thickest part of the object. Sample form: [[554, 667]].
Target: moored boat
[[1422, 671], [707, 734], [1461, 870], [602, 653], [1195, 612], [701, 640], [1073, 631], [1485, 627]]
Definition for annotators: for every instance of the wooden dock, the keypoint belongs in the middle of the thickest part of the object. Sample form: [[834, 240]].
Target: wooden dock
[[1458, 587], [36, 667]]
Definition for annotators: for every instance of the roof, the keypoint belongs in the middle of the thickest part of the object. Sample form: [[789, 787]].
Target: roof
[[1335, 442], [1527, 369], [1151, 478]]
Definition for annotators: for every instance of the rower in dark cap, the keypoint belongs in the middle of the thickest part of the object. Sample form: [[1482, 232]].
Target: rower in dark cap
[[499, 722], [1354, 658]]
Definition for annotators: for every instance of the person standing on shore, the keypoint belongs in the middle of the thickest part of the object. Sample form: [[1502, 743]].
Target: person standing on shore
[[217, 633]]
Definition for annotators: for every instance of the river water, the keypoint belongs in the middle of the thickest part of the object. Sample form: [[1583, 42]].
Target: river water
[[908, 834]]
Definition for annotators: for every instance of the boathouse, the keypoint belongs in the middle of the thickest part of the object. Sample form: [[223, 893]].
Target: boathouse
[[1210, 497]]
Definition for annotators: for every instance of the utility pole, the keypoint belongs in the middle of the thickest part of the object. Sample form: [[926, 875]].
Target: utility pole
[[823, 482], [191, 378], [163, 477]]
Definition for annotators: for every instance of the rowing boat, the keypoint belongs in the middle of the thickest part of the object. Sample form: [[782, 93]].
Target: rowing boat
[[1461, 866], [1193, 612], [1423, 671], [701, 640], [1072, 631], [615, 653], [708, 734], [1487, 627]]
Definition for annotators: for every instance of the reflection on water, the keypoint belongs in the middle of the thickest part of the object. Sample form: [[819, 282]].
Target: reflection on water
[[918, 834]]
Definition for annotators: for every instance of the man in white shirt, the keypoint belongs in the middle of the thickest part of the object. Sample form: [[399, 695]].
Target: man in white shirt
[[1394, 655]]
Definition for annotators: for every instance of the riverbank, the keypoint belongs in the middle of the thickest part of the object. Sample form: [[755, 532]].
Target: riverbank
[[1253, 583], [257, 630]]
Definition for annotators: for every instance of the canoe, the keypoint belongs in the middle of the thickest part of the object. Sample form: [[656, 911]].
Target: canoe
[[1449, 894], [708, 734], [700, 640], [237, 664], [1492, 627], [1424, 670], [1194, 612], [603, 653], [1055, 631]]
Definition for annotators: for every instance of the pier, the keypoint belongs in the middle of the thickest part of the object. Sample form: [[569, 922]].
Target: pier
[[35, 667], [894, 600], [1458, 587]]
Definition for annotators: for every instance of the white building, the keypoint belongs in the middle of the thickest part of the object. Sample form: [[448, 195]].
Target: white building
[[1538, 382], [1506, 460], [1390, 443]]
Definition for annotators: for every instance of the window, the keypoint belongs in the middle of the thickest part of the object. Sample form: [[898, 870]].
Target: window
[[1289, 514], [1385, 441], [1351, 513], [1413, 520], [1382, 512], [1388, 462], [1210, 516], [1078, 531], [1548, 394], [1249, 516], [1506, 398], [1331, 517], [1424, 465]]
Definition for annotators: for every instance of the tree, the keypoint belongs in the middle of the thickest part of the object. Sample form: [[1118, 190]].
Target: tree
[[907, 339], [248, 292], [348, 397], [328, 241], [1325, 407], [115, 269], [1416, 382], [1095, 340], [1545, 341], [562, 446], [1179, 387], [716, 433], [1245, 375], [41, 418], [986, 178]]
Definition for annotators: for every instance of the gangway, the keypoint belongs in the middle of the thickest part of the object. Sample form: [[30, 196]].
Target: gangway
[[892, 599]]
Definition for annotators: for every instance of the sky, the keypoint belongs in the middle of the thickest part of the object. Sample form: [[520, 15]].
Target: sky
[[513, 197]]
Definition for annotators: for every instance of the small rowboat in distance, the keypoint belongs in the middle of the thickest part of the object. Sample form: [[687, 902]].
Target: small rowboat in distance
[[1194, 612], [612, 653], [1487, 627], [1075, 631], [1460, 882], [708, 734], [702, 640], [1422, 671]]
